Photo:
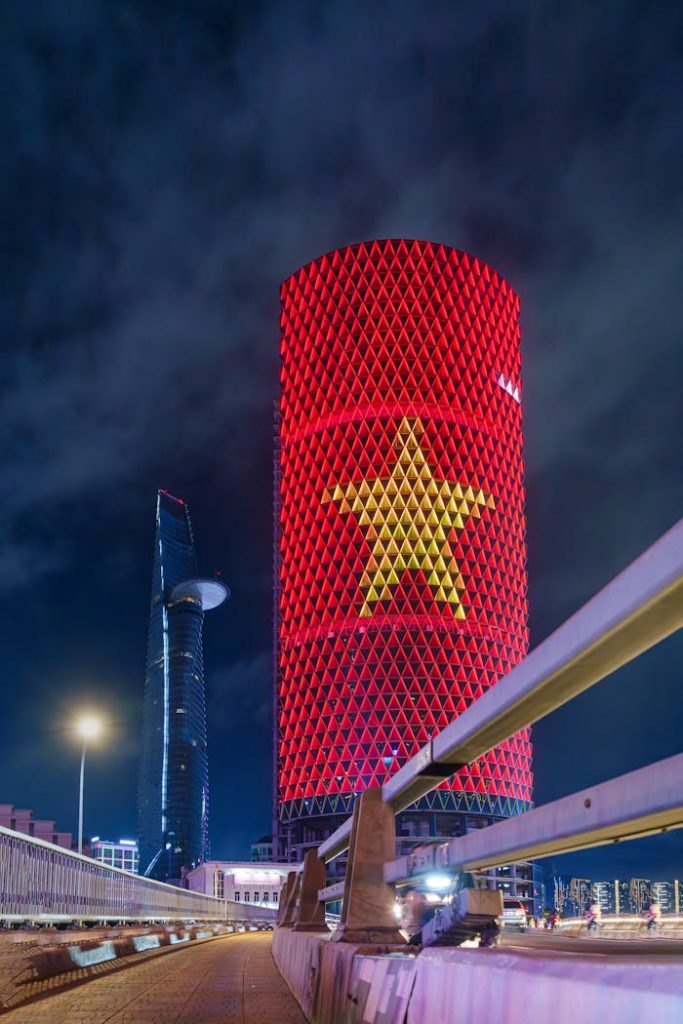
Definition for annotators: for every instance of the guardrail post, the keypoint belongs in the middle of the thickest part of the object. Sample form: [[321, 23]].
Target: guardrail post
[[310, 913], [284, 896], [289, 901], [368, 908]]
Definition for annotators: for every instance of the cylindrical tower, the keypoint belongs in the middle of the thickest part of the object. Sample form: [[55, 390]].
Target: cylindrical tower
[[402, 581]]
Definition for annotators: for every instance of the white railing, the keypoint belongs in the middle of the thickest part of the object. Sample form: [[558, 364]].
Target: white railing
[[40, 882]]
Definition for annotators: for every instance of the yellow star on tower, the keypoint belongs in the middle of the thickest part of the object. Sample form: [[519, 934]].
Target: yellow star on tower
[[407, 518]]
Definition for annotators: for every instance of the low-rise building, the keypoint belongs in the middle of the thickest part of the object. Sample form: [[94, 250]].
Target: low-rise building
[[124, 854], [22, 820], [262, 849], [243, 881]]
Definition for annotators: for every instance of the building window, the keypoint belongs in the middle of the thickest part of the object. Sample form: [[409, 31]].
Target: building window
[[246, 897]]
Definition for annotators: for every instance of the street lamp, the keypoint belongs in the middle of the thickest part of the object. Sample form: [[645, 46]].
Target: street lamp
[[438, 882], [88, 728]]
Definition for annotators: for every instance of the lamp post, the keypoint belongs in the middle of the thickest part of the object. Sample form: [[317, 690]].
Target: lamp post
[[88, 728]]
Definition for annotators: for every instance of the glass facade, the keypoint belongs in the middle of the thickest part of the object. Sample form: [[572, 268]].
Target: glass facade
[[174, 777]]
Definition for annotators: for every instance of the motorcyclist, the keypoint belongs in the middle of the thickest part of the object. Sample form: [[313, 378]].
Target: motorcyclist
[[653, 915], [593, 916]]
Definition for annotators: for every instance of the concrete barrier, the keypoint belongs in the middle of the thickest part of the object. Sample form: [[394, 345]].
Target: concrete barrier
[[458, 986], [380, 988], [339, 983], [331, 1001], [297, 955]]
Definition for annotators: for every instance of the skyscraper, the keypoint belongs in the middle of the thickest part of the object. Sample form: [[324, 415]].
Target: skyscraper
[[173, 797], [400, 533]]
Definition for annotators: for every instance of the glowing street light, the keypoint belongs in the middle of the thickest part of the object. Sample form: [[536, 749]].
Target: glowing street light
[[438, 882], [88, 728]]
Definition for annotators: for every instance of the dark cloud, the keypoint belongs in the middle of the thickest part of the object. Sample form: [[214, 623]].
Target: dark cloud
[[240, 697], [165, 165]]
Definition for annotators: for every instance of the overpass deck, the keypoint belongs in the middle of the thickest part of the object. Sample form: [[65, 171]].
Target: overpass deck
[[226, 980]]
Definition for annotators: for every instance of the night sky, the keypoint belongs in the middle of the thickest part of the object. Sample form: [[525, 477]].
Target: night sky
[[163, 166]]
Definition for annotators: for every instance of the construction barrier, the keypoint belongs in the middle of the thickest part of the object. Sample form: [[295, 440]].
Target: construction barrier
[[25, 965]]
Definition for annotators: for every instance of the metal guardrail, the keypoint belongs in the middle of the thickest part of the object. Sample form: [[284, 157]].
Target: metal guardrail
[[40, 882], [639, 608], [640, 803]]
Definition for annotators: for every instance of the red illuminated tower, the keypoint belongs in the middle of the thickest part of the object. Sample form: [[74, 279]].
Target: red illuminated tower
[[401, 549]]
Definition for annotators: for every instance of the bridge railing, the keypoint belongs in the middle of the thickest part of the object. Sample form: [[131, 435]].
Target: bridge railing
[[40, 882], [638, 609]]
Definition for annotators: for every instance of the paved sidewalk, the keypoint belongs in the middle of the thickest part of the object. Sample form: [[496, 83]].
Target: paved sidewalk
[[226, 980]]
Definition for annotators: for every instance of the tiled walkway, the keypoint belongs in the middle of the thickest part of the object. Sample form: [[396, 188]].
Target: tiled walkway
[[226, 980]]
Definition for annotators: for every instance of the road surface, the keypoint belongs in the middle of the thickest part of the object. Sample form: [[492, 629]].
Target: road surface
[[547, 942], [231, 980]]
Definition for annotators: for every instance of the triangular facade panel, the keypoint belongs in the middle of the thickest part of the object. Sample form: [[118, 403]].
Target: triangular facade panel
[[402, 554]]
